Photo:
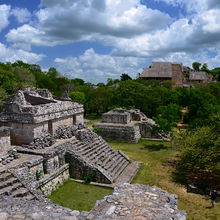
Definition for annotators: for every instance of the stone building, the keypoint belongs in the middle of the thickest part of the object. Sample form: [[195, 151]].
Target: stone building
[[126, 126], [33, 112], [52, 143], [164, 71]]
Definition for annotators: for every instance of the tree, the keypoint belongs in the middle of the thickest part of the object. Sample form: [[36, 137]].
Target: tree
[[125, 77], [200, 149], [205, 67], [167, 117], [53, 73], [196, 66], [78, 97]]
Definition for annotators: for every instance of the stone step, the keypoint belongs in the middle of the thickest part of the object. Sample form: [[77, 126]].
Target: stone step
[[109, 157], [5, 176], [88, 147], [29, 197], [120, 169], [101, 157], [8, 190], [114, 161], [95, 152], [21, 192], [8, 182], [77, 145], [128, 173]]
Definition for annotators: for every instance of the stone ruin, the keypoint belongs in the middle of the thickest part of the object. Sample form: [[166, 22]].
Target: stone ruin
[[126, 126], [43, 142]]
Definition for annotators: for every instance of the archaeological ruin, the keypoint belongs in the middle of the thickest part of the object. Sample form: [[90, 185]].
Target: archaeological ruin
[[164, 71], [123, 125], [43, 142]]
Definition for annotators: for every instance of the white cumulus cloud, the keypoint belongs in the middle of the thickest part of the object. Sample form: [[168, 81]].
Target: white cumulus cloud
[[96, 68], [22, 14], [11, 55], [4, 15]]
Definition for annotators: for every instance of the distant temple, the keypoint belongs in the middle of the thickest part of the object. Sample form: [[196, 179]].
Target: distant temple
[[162, 71], [181, 76]]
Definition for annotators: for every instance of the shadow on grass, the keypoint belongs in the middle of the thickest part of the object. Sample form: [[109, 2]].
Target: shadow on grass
[[155, 147]]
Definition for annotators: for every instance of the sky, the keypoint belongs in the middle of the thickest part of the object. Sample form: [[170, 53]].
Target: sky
[[99, 39]]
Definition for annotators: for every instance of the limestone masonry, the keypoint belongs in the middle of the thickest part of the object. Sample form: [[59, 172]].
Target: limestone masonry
[[126, 126], [43, 142]]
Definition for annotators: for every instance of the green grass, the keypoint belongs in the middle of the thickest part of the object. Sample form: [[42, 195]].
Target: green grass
[[94, 119], [78, 196], [158, 167]]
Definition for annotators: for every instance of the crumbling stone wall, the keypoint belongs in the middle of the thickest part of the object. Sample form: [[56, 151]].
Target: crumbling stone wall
[[52, 182]]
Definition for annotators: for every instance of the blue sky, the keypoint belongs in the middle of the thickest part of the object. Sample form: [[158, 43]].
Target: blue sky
[[99, 39]]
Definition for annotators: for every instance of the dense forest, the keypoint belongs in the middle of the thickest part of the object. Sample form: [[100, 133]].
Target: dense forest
[[200, 143]]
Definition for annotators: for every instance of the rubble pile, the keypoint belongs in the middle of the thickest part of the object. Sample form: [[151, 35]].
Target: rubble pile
[[45, 140], [8, 157], [86, 135], [64, 132]]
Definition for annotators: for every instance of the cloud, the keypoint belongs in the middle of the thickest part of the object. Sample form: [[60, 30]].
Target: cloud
[[187, 59], [4, 15], [22, 14], [96, 68], [77, 20], [11, 55]]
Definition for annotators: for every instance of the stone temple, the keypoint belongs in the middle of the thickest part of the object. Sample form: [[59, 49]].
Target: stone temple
[[123, 125], [43, 142]]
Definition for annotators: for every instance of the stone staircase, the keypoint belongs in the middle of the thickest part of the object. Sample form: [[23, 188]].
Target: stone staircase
[[98, 154], [11, 186]]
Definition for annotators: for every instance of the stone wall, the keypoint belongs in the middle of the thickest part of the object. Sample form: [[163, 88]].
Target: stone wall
[[39, 129], [79, 119], [118, 132], [52, 182], [177, 75], [80, 169], [21, 133], [65, 121], [5, 142]]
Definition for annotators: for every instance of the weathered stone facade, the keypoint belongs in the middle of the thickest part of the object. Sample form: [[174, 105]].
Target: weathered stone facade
[[33, 112], [126, 126]]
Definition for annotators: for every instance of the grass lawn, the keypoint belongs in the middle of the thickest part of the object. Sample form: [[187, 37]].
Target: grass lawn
[[157, 169], [79, 196]]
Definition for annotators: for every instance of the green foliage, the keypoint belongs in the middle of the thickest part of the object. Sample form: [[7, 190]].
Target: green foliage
[[89, 178], [39, 174], [167, 117], [196, 66], [125, 77], [53, 73], [78, 97], [200, 149], [96, 130]]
